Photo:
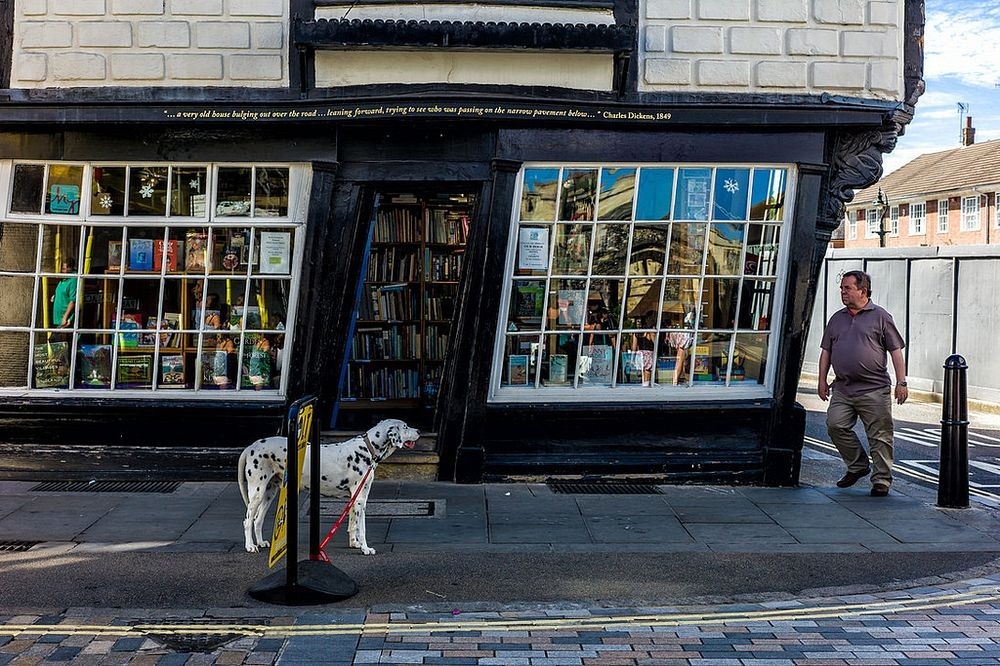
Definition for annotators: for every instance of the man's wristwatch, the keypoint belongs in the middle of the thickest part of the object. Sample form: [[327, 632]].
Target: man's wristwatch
[[903, 384]]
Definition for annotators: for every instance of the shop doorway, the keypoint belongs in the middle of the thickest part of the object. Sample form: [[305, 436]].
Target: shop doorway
[[403, 319]]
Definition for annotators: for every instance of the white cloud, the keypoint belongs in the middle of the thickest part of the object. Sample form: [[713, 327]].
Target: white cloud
[[961, 38]]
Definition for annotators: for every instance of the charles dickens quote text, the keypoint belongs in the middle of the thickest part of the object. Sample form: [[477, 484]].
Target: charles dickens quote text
[[400, 110]]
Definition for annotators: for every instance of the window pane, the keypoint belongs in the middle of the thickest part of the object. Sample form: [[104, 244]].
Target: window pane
[[218, 361], [532, 251], [526, 302], [597, 359], [230, 250], [272, 252], [520, 361], [725, 247], [192, 249], [134, 370], [259, 366], [617, 192], [559, 354], [15, 300], [571, 254], [142, 244], [604, 305], [767, 200], [108, 191], [649, 249], [233, 192], [538, 196], [655, 193], [18, 247], [711, 358], [188, 192], [756, 305], [579, 195], [610, 247], [102, 254], [26, 194], [762, 250], [94, 361], [750, 357], [147, 191], [270, 298], [65, 183], [718, 300], [271, 193], [680, 302], [637, 359], [730, 195], [99, 303], [51, 362], [673, 357], [14, 362], [60, 247], [642, 303], [567, 305], [140, 307], [687, 244], [692, 194]]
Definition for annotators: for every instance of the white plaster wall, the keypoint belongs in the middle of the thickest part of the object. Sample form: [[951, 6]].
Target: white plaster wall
[[842, 47], [143, 43]]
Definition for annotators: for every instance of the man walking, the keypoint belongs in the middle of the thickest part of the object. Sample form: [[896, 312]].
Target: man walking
[[856, 341]]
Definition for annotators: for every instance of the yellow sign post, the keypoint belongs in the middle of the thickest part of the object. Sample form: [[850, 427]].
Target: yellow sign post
[[279, 535]]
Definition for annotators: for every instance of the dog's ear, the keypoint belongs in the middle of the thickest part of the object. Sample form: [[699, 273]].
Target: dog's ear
[[392, 432]]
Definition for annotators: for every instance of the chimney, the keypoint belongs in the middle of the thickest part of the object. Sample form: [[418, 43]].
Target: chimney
[[968, 132]]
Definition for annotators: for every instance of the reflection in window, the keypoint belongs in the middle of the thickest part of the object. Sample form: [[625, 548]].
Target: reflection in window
[[189, 192], [147, 191], [65, 186], [29, 183], [679, 294], [233, 192], [270, 192]]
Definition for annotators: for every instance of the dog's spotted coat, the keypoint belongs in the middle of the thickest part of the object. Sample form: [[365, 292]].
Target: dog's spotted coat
[[342, 467]]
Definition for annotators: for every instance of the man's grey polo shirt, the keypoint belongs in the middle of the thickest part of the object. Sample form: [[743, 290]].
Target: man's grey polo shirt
[[858, 345]]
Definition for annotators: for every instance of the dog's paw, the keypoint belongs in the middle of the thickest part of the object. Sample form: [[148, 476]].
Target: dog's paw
[[251, 548], [367, 550]]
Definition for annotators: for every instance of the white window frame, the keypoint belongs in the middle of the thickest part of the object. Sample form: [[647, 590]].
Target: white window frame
[[626, 393], [942, 220], [996, 209], [871, 223], [918, 222], [852, 226], [894, 221], [300, 180], [970, 213]]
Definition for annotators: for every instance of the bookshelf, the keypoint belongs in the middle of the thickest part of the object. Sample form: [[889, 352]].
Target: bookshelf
[[403, 324]]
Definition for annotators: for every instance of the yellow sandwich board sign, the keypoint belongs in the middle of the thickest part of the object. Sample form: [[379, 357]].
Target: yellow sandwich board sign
[[279, 536]]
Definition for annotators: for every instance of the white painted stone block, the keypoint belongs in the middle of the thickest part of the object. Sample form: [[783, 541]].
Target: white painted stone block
[[783, 74], [784, 11], [885, 75], [269, 35], [256, 7], [196, 7], [668, 9], [255, 67], [78, 67], [696, 39], [165, 34], [656, 39], [30, 67], [137, 66], [871, 43], [723, 73], [839, 75], [764, 41], [104, 33], [204, 66], [668, 71], [137, 6], [77, 7], [813, 42], [843, 12], [724, 10], [45, 34], [32, 7], [222, 35], [884, 13]]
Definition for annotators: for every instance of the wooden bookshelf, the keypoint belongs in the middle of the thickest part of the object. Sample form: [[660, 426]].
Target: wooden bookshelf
[[403, 323]]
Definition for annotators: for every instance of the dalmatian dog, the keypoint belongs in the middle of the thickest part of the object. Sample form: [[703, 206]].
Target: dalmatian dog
[[343, 466]]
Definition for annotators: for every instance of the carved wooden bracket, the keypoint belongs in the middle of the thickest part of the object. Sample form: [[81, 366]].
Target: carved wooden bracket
[[856, 164]]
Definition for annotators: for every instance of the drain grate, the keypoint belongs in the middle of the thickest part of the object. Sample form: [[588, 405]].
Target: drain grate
[[382, 509], [107, 486], [17, 546], [602, 488]]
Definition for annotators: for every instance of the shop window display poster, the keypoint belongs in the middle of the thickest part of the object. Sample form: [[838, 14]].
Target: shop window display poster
[[533, 249]]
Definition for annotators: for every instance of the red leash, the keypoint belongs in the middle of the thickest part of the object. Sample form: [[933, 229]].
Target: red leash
[[333, 530]]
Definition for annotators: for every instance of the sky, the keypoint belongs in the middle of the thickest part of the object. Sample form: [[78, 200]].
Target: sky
[[961, 64]]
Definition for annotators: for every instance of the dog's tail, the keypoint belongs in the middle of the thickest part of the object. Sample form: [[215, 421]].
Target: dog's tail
[[241, 477]]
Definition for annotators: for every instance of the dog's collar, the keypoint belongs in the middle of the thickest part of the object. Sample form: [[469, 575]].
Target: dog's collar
[[371, 448]]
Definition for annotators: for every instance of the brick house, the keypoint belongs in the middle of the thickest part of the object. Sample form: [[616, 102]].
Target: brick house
[[944, 198]]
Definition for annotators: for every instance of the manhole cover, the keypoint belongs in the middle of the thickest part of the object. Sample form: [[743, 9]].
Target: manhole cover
[[382, 508], [602, 488], [17, 546], [107, 487]]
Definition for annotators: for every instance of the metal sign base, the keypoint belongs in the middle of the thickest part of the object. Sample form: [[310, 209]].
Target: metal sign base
[[318, 583]]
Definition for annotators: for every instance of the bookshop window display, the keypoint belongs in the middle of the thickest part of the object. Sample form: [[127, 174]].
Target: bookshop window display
[[166, 279], [652, 281]]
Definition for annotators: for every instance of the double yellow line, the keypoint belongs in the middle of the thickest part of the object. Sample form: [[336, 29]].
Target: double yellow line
[[977, 595]]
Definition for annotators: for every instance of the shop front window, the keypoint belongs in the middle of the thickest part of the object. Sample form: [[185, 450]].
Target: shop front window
[[641, 281], [165, 279]]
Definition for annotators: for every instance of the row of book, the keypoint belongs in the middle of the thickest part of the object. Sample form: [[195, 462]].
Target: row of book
[[94, 364], [395, 302], [393, 343], [396, 225], [368, 383], [443, 266], [439, 308], [191, 255], [446, 226], [393, 265]]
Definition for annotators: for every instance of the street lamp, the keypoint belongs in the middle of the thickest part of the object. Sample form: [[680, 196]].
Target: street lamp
[[881, 204]]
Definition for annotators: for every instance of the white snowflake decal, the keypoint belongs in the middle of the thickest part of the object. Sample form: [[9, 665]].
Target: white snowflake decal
[[731, 186], [195, 184], [146, 191], [104, 201]]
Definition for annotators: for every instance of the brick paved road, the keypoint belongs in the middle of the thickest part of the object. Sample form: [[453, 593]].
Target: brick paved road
[[926, 626]]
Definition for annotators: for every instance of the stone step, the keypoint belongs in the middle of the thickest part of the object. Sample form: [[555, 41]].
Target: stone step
[[417, 464]]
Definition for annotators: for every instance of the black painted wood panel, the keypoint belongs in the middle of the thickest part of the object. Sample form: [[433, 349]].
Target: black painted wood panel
[[6, 41]]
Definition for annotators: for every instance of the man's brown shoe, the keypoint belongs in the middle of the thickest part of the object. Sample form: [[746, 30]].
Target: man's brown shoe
[[880, 490], [851, 478]]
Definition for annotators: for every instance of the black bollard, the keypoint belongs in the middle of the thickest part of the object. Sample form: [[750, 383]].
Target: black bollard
[[953, 476]]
